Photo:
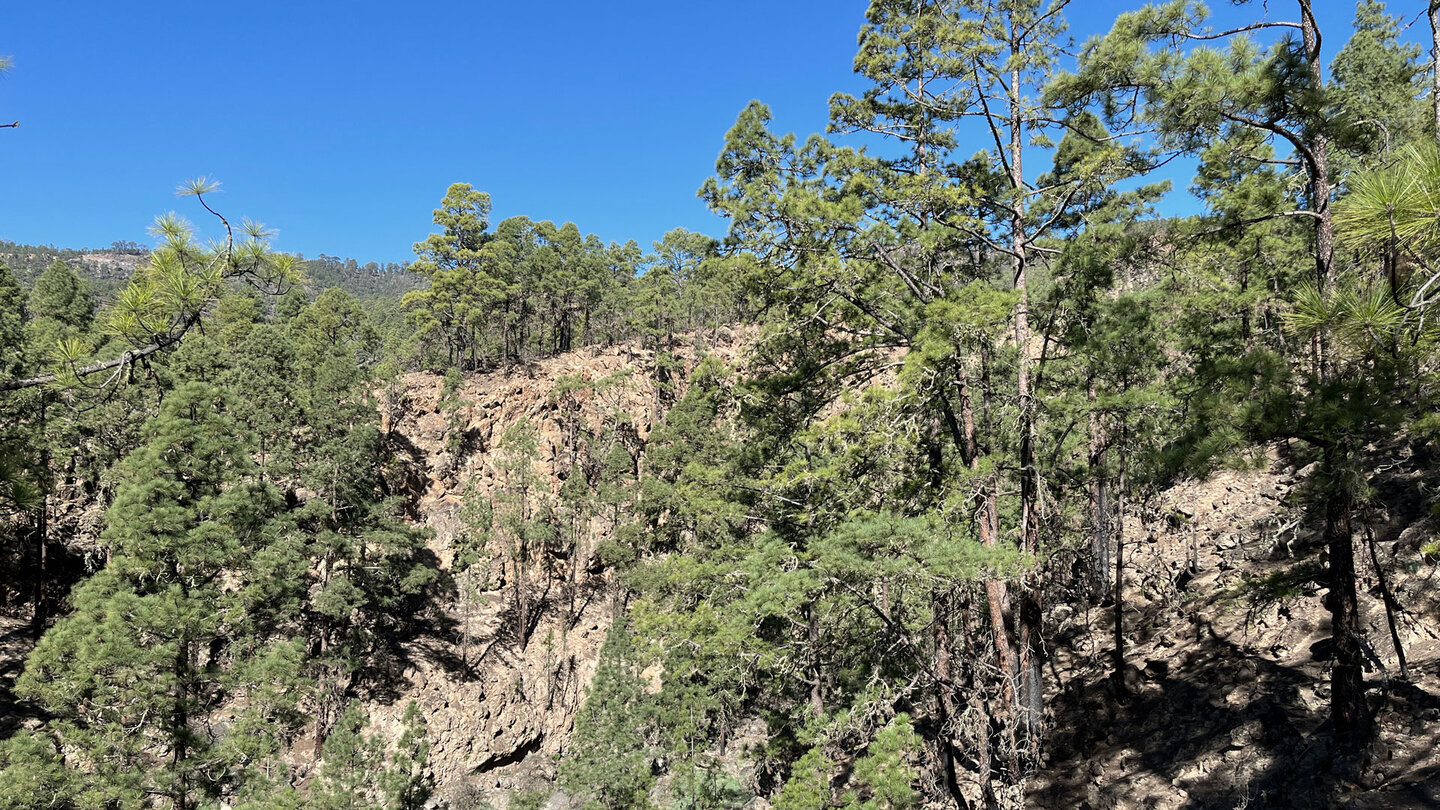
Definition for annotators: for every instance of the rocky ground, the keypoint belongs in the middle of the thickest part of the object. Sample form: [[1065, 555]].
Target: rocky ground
[[15, 644], [1229, 654]]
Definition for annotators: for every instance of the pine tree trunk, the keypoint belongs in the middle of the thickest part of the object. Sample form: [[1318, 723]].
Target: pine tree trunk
[[40, 616], [1118, 674], [180, 728], [1099, 506], [1319, 147], [522, 606], [817, 700], [1391, 607], [1031, 607], [997, 595], [1347, 679], [945, 697], [979, 706], [1433, 12]]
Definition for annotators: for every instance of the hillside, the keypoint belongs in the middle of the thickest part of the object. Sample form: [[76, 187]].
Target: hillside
[[1226, 631], [1225, 626], [1229, 658], [500, 718], [108, 270]]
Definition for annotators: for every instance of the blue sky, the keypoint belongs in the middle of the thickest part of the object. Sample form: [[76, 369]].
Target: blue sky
[[341, 124]]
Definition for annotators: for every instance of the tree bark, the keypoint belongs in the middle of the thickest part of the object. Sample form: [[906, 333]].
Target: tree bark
[[1433, 12], [817, 698], [1347, 680], [1099, 500], [1119, 595], [180, 727], [40, 617], [129, 356], [945, 697], [997, 595], [1031, 607], [1391, 607], [1319, 147]]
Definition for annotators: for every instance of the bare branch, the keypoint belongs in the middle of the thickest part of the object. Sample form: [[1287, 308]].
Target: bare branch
[[1241, 30]]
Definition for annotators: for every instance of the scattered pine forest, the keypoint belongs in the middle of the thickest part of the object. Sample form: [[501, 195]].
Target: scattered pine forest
[[859, 506]]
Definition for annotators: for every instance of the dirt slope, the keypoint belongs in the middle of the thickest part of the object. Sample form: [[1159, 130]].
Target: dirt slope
[[1229, 655]]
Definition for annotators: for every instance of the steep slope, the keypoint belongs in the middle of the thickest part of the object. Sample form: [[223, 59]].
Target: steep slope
[[1228, 657], [1226, 631], [498, 714]]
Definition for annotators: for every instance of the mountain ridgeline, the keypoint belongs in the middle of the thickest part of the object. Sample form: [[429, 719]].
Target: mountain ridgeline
[[954, 475]]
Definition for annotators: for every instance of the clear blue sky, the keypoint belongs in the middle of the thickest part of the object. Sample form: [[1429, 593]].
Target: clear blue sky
[[341, 124]]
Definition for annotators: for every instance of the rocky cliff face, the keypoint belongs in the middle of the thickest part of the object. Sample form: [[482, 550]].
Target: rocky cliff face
[[498, 715], [1225, 625]]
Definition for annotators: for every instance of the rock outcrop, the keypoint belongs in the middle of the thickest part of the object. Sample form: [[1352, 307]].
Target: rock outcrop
[[499, 715]]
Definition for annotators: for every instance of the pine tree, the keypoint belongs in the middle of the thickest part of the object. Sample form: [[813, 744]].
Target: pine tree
[[940, 257], [13, 316], [353, 765], [131, 675], [523, 523], [1261, 96], [62, 296], [608, 762], [1377, 87], [367, 560], [462, 288], [406, 783], [61, 311], [885, 774], [33, 775], [168, 296]]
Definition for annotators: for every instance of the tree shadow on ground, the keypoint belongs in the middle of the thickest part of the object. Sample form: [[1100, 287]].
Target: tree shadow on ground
[[1222, 727], [15, 643]]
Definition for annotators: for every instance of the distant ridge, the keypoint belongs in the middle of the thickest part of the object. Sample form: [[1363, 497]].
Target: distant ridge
[[108, 269]]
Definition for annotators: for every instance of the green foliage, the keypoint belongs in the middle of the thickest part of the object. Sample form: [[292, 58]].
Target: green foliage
[[808, 787], [1378, 85], [155, 641], [531, 289], [885, 776], [608, 762], [13, 316], [290, 304], [452, 406], [352, 766], [684, 495], [967, 354], [33, 775], [170, 294], [357, 774], [706, 786], [529, 799], [406, 784], [60, 295], [1393, 207], [61, 312]]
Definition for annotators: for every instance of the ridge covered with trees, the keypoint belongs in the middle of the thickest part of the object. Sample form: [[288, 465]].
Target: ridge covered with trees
[[976, 357]]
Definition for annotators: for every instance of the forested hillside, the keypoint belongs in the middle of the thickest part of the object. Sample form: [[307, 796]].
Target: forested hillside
[[964, 471], [107, 271]]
